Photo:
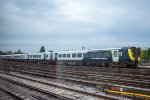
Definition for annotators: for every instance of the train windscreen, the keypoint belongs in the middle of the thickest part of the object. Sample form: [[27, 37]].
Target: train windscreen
[[135, 53]]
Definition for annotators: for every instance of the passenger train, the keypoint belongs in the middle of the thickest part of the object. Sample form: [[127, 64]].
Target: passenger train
[[128, 56]]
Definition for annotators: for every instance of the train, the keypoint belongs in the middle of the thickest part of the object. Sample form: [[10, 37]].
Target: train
[[125, 56]]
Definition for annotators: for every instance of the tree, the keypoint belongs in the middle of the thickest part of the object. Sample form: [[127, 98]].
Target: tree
[[149, 52], [144, 55], [50, 51], [9, 52], [18, 52], [42, 49]]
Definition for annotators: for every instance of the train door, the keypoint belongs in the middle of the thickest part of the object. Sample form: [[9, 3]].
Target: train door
[[56, 57], [44, 56], [115, 55], [137, 54]]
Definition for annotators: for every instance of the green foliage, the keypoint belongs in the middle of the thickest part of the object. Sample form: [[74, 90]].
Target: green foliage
[[145, 54], [42, 49], [149, 52]]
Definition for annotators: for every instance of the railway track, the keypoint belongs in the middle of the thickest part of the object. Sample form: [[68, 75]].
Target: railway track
[[80, 80], [132, 73], [86, 69], [27, 92], [91, 76], [72, 93], [7, 95], [120, 80], [114, 78]]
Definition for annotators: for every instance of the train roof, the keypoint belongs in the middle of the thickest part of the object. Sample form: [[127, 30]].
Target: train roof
[[73, 51], [86, 50], [105, 49], [39, 52], [94, 49]]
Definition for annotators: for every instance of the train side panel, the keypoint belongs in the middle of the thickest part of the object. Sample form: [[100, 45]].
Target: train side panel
[[70, 57]]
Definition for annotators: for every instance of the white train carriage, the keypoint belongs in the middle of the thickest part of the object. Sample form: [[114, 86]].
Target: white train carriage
[[71, 57], [20, 56], [5, 56], [48, 56], [36, 56], [44, 57]]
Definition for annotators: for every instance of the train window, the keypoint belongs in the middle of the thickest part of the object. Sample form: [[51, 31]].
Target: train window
[[39, 56], [99, 55], [68, 55], [84, 54], [106, 54], [120, 53], [30, 56], [133, 49], [73, 55], [91, 55], [79, 55], [46, 56], [60, 55], [115, 54], [133, 53], [64, 55]]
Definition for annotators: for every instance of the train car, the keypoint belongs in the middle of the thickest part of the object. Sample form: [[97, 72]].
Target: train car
[[45, 57], [71, 57], [50, 57], [29, 57], [20, 57], [6, 57], [36, 57], [127, 56]]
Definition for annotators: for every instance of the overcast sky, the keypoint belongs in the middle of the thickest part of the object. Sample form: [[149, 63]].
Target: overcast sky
[[72, 24]]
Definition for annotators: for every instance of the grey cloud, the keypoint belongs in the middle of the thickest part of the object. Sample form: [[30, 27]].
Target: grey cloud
[[59, 24]]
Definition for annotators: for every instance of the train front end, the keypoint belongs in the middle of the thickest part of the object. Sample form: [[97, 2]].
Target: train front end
[[134, 54]]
